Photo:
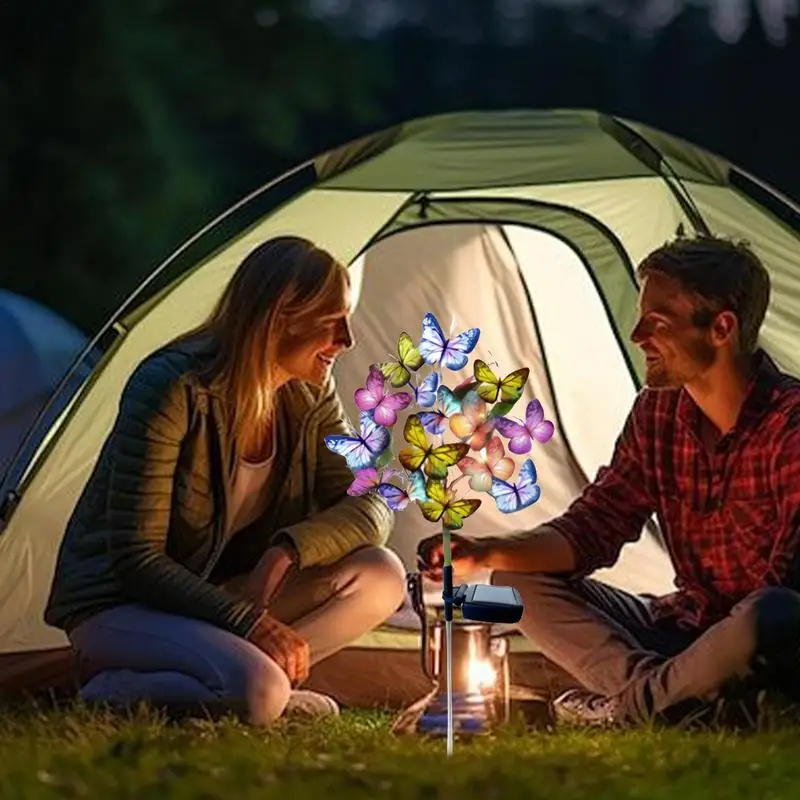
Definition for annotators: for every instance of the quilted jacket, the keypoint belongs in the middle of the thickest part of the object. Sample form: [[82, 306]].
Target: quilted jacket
[[150, 525]]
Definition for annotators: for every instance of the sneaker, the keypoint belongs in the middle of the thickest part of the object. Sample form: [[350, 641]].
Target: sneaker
[[305, 703], [577, 707]]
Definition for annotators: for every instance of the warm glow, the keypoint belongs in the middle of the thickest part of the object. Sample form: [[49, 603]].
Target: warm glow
[[481, 675], [483, 455]]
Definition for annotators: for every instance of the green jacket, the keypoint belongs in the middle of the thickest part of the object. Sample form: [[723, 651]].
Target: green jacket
[[150, 525]]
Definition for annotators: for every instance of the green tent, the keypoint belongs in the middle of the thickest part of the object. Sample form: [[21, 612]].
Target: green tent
[[527, 224]]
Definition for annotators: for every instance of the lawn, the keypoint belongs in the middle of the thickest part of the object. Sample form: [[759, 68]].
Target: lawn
[[75, 753]]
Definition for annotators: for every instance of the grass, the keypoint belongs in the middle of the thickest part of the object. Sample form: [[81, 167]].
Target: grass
[[75, 753]]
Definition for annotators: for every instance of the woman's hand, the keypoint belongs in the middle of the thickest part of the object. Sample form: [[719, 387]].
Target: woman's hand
[[269, 575], [284, 646]]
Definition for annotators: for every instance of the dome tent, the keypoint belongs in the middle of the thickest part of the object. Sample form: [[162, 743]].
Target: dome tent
[[524, 223]]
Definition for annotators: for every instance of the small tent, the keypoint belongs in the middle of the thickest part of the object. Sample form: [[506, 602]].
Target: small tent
[[526, 224]]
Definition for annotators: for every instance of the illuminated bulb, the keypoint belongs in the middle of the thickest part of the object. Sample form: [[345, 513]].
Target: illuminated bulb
[[483, 455], [480, 675]]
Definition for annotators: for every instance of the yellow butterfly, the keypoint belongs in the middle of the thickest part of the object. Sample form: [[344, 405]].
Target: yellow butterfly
[[441, 504], [398, 373], [437, 460], [510, 387]]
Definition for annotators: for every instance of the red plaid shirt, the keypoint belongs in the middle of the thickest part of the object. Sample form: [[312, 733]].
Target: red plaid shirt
[[730, 517]]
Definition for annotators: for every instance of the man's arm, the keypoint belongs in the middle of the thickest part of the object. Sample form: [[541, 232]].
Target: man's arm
[[343, 523], [611, 512], [783, 562]]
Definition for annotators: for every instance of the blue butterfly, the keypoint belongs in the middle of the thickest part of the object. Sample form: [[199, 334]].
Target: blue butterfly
[[511, 497], [425, 393], [452, 353], [397, 499], [362, 450], [436, 422]]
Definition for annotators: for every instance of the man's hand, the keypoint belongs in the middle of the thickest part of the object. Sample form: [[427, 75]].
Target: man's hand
[[269, 575], [467, 555], [284, 646]]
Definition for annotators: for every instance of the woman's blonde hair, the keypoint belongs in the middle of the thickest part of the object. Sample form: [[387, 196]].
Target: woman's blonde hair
[[282, 279]]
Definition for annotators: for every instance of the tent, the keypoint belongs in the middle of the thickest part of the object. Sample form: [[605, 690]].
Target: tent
[[37, 348], [524, 223]]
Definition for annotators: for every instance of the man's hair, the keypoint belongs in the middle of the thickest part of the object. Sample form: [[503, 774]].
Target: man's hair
[[724, 274]]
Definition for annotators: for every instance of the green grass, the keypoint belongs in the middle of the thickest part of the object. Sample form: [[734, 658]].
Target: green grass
[[75, 753]]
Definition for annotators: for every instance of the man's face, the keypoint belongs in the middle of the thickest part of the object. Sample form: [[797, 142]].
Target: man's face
[[677, 351]]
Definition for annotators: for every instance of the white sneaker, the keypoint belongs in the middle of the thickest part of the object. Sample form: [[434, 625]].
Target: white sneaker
[[303, 702]]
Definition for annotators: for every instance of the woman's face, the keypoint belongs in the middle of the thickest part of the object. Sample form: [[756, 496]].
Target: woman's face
[[311, 344]]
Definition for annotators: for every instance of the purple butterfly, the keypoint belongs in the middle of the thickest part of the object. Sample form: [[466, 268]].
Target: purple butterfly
[[362, 449], [452, 352], [368, 479], [374, 398], [522, 434], [425, 393], [397, 499]]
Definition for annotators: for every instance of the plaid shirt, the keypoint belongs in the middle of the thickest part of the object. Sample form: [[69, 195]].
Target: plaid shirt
[[730, 517]]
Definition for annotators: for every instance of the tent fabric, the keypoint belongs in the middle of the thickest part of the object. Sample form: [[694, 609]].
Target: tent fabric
[[527, 224], [37, 347]]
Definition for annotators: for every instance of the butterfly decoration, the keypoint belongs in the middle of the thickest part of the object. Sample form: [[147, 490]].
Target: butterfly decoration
[[398, 498], [367, 480], [436, 460], [425, 394], [512, 497], [443, 505], [452, 353], [472, 423], [521, 434], [409, 359], [384, 407], [494, 464], [436, 421], [489, 385], [361, 450]]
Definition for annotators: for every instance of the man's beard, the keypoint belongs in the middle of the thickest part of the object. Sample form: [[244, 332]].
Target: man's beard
[[697, 360]]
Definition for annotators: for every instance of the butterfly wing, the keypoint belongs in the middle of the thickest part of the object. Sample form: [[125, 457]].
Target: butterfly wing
[[480, 477], [374, 437], [436, 498], [441, 458], [472, 414], [528, 492], [456, 351], [415, 455], [434, 422], [365, 481], [396, 498], [426, 391], [513, 385], [410, 356], [433, 343], [386, 411], [538, 427], [488, 383], [371, 395], [518, 435], [352, 449], [457, 511], [498, 464], [448, 402], [395, 373], [416, 486]]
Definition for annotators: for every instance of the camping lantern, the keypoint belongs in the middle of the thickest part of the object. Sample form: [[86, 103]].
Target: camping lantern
[[481, 686]]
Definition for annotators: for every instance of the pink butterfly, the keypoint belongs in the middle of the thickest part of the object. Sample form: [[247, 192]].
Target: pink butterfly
[[368, 479], [471, 422], [494, 464], [522, 434], [384, 406]]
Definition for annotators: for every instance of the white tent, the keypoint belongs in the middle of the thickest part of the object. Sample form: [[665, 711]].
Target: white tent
[[525, 224]]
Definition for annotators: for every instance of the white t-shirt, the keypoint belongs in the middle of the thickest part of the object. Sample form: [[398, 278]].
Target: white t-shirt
[[249, 495]]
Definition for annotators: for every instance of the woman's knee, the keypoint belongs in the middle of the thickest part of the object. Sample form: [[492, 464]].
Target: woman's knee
[[259, 688], [382, 576]]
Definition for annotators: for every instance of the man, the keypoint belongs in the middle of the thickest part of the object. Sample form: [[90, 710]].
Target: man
[[712, 447]]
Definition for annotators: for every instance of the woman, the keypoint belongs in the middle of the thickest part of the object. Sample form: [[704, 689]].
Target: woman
[[214, 553]]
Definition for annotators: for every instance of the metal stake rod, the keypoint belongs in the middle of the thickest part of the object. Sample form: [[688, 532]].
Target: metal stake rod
[[448, 617]]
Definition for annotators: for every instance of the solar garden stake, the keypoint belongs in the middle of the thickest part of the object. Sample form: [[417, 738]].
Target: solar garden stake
[[424, 466]]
